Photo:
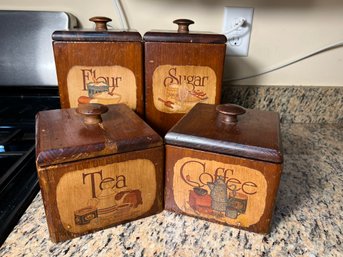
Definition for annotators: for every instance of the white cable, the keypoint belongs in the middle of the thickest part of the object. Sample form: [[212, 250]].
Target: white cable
[[298, 59], [121, 14], [240, 23]]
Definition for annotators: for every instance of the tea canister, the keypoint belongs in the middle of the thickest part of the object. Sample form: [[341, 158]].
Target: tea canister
[[223, 164], [182, 68], [97, 166], [99, 66]]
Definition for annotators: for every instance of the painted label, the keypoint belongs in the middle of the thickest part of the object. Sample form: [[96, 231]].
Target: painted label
[[99, 197], [176, 89], [102, 84], [228, 193]]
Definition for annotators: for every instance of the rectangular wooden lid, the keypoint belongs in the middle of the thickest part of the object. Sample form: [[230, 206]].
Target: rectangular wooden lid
[[183, 35], [99, 34], [62, 136], [256, 134]]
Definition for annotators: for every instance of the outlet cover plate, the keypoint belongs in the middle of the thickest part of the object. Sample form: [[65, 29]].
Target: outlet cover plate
[[238, 40]]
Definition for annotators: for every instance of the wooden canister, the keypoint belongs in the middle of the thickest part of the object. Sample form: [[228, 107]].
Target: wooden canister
[[223, 164], [99, 66], [98, 166], [182, 68]]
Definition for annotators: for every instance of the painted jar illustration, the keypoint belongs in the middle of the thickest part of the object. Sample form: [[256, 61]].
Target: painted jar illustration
[[99, 65], [218, 194], [223, 164], [107, 171], [182, 68]]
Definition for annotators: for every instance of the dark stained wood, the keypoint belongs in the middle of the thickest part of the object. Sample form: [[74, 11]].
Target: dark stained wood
[[112, 55], [183, 56], [100, 22], [63, 137], [191, 37], [255, 182], [99, 175], [97, 36], [53, 177], [256, 135], [184, 35]]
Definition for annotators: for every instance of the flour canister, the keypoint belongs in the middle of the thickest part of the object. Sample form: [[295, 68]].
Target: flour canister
[[182, 68], [223, 164], [98, 166], [99, 66]]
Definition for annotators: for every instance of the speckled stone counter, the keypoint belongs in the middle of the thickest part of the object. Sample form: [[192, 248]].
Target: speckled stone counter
[[295, 104], [308, 220]]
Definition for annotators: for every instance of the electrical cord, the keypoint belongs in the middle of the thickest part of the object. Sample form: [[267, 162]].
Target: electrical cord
[[298, 59], [239, 24], [121, 14]]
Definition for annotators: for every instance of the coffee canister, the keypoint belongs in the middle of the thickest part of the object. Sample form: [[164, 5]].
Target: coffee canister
[[223, 164]]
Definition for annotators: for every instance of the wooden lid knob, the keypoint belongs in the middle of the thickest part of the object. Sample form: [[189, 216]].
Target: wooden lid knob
[[100, 22], [91, 113], [227, 113], [183, 25]]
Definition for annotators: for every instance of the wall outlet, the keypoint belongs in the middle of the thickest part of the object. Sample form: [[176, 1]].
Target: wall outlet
[[238, 40]]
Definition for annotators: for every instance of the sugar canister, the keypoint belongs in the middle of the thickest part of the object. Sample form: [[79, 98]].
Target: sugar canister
[[182, 68]]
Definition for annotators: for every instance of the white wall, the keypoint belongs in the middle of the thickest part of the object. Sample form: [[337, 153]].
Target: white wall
[[282, 30]]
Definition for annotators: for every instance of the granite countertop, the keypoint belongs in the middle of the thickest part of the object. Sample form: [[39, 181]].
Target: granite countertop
[[308, 219]]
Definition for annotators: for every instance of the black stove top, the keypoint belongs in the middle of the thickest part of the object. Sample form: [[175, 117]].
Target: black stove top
[[18, 175]]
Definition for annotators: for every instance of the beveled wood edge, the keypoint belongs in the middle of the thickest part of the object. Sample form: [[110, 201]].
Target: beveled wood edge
[[173, 36], [71, 154], [43, 161], [97, 36], [234, 149]]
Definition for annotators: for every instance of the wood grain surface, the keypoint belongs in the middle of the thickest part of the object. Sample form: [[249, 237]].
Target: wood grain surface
[[89, 57], [63, 137], [89, 195], [96, 36], [190, 37], [256, 135], [179, 56], [219, 188]]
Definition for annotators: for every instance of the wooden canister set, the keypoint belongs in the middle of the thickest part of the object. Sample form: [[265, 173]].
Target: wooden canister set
[[123, 147]]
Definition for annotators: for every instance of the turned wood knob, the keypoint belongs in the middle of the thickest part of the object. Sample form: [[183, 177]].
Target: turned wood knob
[[227, 113], [183, 25], [91, 113], [100, 22]]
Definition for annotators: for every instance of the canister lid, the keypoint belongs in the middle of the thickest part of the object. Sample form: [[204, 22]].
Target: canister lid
[[184, 35], [230, 129], [89, 131], [100, 34]]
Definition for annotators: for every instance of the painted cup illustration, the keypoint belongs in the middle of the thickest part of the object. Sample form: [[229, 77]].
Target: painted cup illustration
[[106, 98]]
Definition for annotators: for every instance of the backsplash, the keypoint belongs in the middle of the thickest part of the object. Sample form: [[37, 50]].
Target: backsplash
[[295, 104]]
